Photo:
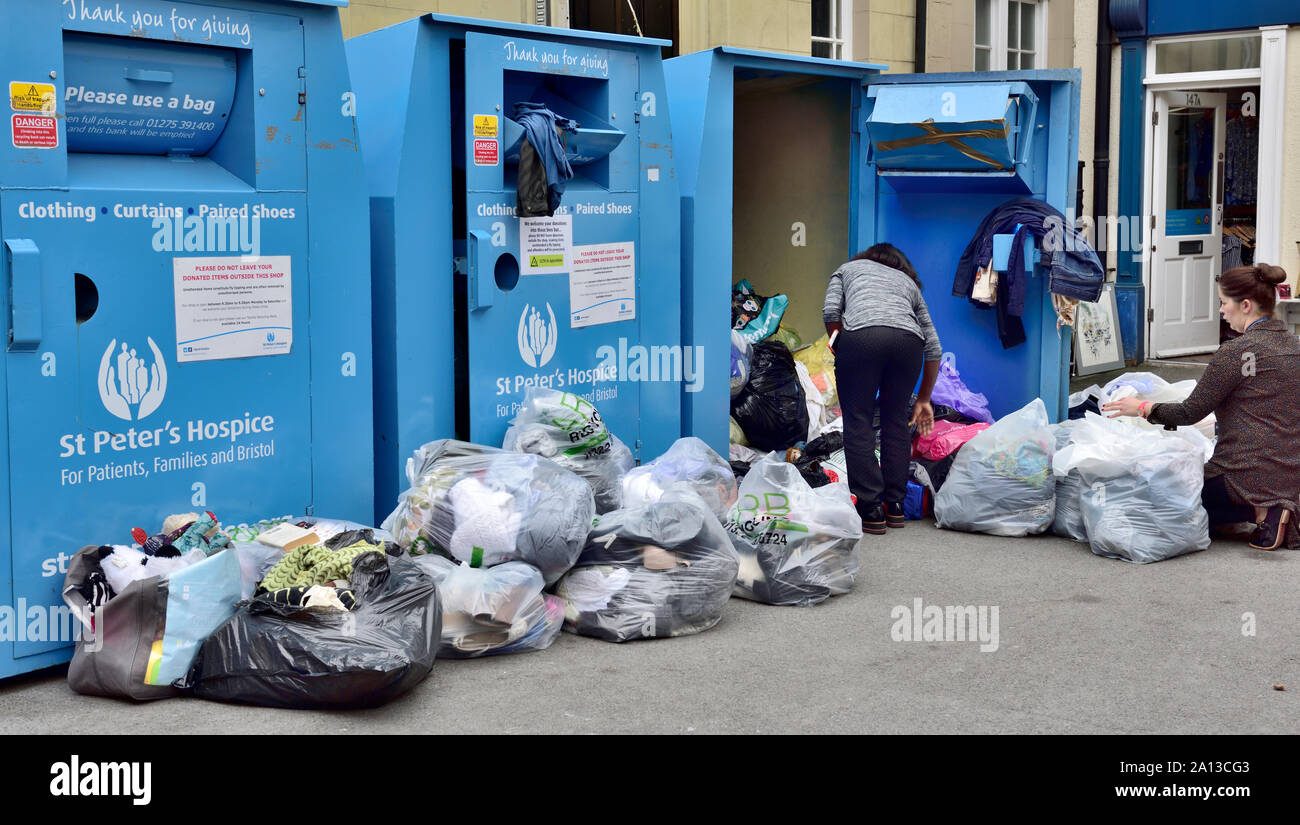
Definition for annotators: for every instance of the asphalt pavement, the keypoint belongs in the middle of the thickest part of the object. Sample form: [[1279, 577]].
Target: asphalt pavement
[[1194, 644]]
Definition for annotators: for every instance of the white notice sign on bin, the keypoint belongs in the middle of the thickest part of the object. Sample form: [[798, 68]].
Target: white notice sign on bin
[[602, 284], [544, 245], [233, 307]]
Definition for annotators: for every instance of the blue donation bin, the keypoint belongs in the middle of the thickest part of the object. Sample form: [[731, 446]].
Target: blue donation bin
[[474, 302], [789, 165], [188, 318]]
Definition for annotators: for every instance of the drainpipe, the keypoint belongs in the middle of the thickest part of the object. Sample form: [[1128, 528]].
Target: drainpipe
[[918, 58], [1101, 130]]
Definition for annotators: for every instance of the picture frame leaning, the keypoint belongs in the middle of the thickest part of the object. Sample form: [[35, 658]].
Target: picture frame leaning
[[1097, 343]]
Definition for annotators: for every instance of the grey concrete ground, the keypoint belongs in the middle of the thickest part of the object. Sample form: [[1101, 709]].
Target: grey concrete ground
[[1086, 645]]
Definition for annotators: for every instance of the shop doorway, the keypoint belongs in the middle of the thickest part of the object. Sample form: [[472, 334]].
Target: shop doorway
[[1204, 183], [1189, 143]]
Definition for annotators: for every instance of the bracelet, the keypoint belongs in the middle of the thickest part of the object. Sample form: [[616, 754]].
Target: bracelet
[[1144, 408]]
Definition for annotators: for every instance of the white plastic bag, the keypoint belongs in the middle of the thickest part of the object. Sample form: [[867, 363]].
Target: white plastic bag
[[1147, 386], [492, 610], [813, 400], [1001, 482], [797, 545], [691, 462], [568, 429], [1141, 496]]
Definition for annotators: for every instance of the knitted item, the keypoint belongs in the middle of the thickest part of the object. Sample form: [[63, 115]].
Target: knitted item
[[313, 564]]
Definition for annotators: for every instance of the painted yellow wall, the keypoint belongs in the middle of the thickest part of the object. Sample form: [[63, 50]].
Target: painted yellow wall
[[363, 16], [775, 187], [950, 36], [890, 35], [772, 25]]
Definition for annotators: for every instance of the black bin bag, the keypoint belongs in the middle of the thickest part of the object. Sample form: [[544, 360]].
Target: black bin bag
[[772, 409], [291, 657]]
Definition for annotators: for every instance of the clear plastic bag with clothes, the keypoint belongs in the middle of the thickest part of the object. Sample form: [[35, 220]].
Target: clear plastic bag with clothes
[[492, 610], [1147, 386], [690, 462], [1001, 482], [798, 545], [486, 506], [1142, 490], [655, 571], [569, 430], [1068, 521]]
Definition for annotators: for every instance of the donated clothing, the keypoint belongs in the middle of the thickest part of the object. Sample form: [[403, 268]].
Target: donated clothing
[[869, 294], [1073, 268], [1252, 385], [543, 521], [313, 564], [797, 545], [539, 124], [492, 610], [659, 570]]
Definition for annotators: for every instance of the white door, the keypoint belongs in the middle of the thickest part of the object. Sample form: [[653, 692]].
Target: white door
[[1188, 203]]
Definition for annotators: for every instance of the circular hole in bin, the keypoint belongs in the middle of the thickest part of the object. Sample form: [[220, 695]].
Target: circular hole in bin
[[507, 272], [87, 298]]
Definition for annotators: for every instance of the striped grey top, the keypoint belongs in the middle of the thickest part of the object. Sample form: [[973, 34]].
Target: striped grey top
[[869, 294]]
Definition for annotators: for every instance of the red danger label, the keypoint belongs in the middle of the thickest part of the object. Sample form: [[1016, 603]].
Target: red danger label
[[486, 153], [35, 131]]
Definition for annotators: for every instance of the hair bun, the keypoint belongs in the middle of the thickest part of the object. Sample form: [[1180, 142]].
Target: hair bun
[[1270, 274]]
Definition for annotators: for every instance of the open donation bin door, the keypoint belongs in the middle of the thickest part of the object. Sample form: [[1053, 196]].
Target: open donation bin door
[[791, 165]]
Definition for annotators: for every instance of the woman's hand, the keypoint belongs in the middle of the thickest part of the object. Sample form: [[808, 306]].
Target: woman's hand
[[922, 417], [1124, 406]]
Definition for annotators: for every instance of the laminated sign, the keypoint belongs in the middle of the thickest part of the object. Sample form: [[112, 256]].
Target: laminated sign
[[34, 132], [32, 97]]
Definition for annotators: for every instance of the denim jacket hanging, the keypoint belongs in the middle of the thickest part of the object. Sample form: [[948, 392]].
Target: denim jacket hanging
[[1074, 271]]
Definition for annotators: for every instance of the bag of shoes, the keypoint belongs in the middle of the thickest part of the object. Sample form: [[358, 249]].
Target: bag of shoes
[[797, 545]]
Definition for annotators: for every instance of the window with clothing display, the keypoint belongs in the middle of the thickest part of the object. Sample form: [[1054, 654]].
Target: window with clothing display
[[1240, 184]]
